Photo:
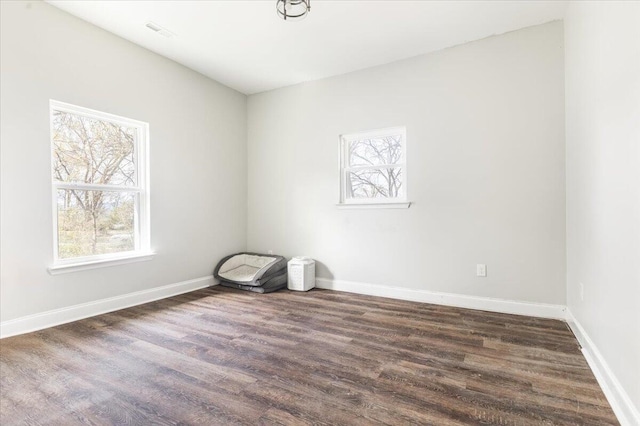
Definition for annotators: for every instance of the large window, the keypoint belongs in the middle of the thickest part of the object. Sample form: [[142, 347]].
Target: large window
[[373, 167], [100, 186]]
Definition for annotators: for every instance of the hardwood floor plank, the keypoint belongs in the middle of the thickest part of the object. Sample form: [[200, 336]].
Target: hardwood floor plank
[[220, 356]]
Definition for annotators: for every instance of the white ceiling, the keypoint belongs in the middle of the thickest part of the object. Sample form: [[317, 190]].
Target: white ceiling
[[246, 46]]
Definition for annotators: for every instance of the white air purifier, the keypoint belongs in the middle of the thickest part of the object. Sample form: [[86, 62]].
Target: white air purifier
[[301, 274]]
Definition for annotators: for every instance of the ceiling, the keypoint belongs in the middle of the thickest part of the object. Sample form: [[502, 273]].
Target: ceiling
[[246, 46]]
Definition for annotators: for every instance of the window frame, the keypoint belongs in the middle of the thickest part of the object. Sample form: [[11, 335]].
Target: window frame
[[345, 141], [142, 219]]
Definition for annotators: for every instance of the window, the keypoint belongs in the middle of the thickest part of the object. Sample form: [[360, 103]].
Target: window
[[373, 168], [100, 187]]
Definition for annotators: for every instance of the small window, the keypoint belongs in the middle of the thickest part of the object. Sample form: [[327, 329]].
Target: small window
[[100, 186], [373, 167]]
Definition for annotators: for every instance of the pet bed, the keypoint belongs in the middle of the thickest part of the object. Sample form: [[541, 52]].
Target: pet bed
[[262, 273]]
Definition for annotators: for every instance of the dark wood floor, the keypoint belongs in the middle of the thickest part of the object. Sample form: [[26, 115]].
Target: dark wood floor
[[220, 356]]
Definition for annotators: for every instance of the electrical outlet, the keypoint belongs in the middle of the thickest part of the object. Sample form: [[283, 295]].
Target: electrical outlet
[[481, 270], [270, 252], [581, 292]]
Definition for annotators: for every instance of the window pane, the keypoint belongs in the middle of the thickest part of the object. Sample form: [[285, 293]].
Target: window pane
[[87, 150], [376, 151], [95, 222], [375, 183]]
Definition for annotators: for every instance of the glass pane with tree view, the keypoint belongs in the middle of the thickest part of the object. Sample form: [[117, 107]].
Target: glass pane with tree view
[[91, 157], [378, 151], [95, 222], [375, 183], [91, 151]]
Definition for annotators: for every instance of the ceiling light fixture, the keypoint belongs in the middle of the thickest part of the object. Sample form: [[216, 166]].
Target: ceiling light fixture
[[293, 10]]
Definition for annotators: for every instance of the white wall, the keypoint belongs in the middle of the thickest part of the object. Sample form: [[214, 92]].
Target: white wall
[[603, 181], [485, 129], [197, 150]]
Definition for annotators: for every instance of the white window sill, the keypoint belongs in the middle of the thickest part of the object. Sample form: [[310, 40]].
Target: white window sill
[[63, 268], [400, 205]]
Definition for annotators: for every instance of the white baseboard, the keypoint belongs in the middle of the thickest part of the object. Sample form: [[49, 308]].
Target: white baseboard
[[55, 317], [542, 310], [618, 398]]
